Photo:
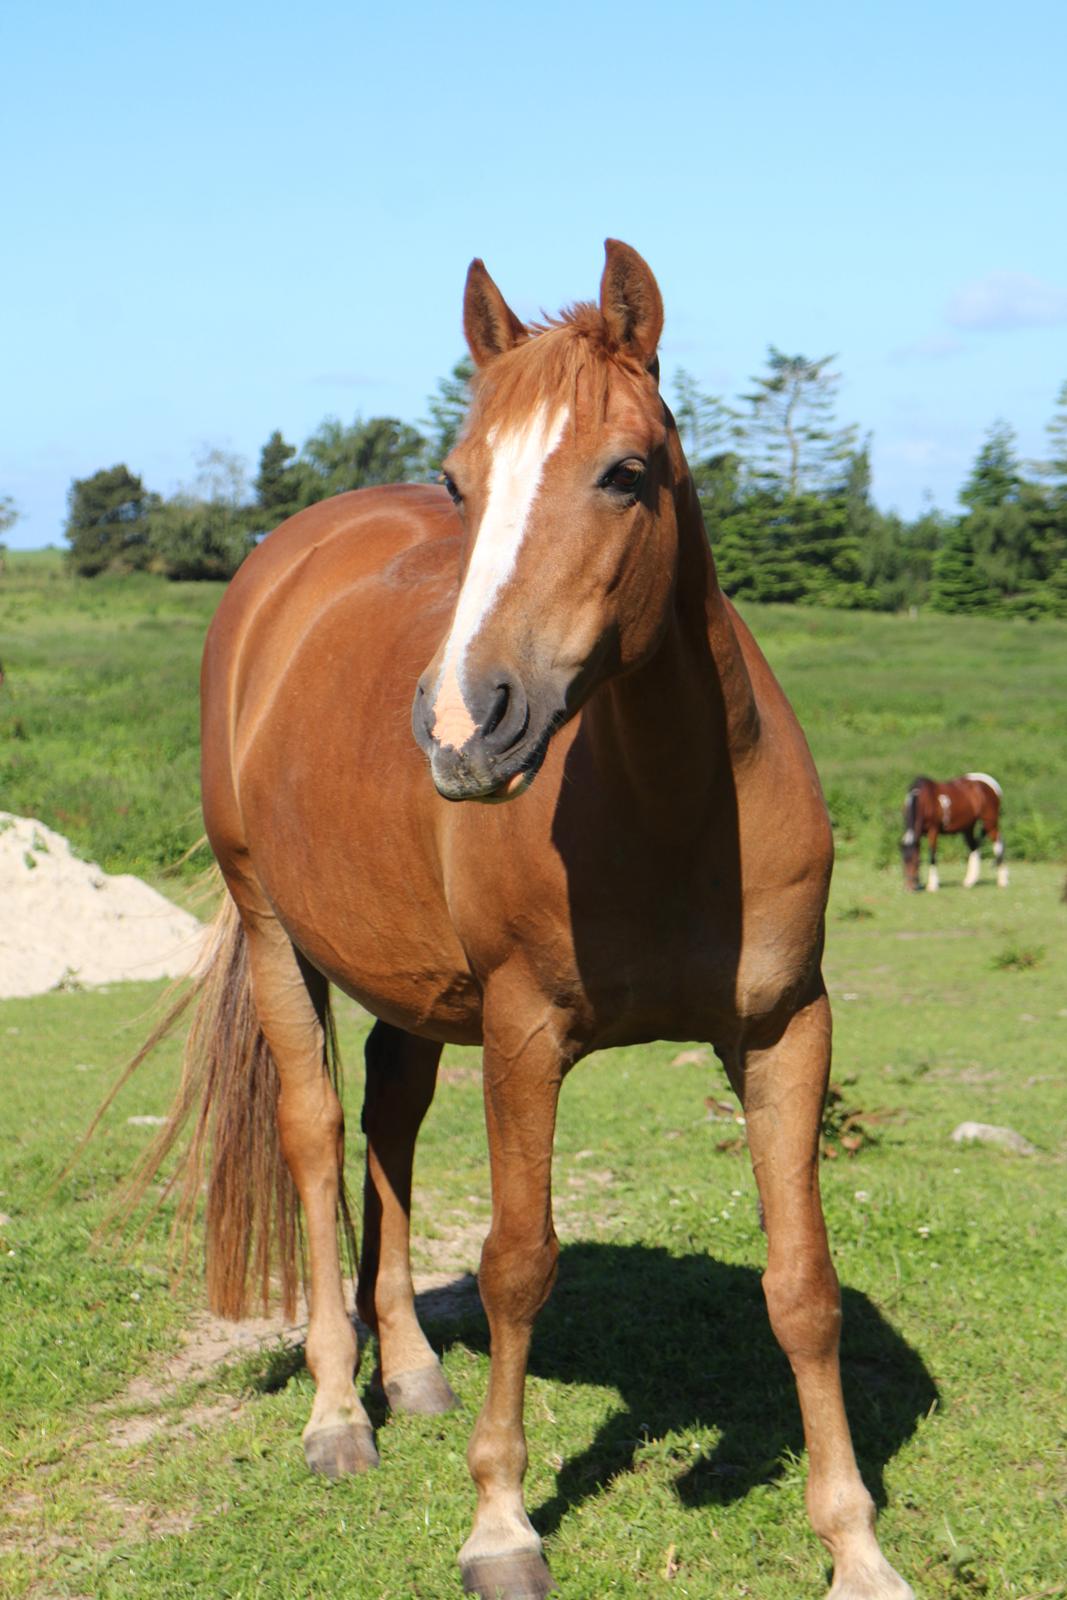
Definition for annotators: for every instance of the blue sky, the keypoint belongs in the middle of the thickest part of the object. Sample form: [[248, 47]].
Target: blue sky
[[224, 219]]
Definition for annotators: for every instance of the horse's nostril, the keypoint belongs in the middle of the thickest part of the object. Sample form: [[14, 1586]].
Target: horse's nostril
[[506, 716], [498, 710]]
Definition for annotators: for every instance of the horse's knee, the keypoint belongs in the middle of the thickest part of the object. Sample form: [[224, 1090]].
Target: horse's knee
[[804, 1306], [516, 1275]]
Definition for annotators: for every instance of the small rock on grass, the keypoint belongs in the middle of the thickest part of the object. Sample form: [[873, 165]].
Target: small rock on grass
[[989, 1133]]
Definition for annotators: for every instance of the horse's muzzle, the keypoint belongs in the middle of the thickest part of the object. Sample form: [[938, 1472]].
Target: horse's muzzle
[[500, 757]]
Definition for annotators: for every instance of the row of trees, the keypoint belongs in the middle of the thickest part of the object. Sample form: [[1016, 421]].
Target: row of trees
[[785, 490], [115, 524], [786, 495]]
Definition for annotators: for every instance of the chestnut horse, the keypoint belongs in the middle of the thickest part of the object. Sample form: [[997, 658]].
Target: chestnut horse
[[554, 614], [969, 805]]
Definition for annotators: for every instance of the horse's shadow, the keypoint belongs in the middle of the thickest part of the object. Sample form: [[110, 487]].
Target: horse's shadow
[[687, 1344]]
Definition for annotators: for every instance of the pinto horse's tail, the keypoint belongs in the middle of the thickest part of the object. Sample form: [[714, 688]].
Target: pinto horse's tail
[[229, 1093]]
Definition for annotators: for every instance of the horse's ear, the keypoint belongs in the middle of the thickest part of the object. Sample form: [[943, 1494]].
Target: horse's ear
[[490, 325], [630, 302]]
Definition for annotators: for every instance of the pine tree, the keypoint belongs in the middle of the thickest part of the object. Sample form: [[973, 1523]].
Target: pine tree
[[107, 522], [278, 482], [1049, 516], [959, 584], [806, 495], [1054, 468], [793, 444], [996, 477], [1003, 510], [448, 411], [380, 450]]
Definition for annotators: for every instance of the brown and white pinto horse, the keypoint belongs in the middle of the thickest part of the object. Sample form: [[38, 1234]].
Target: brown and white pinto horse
[[969, 805], [554, 613]]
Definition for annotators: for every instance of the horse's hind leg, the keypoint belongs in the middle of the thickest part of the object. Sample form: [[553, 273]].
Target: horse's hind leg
[[783, 1092], [291, 1001], [401, 1076], [974, 859]]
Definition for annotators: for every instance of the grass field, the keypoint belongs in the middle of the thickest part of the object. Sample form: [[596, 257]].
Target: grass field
[[98, 714], [664, 1435]]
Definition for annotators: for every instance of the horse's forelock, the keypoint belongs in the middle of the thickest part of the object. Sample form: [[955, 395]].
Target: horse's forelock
[[546, 370]]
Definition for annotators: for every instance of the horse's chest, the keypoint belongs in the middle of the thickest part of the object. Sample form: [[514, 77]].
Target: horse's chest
[[689, 959]]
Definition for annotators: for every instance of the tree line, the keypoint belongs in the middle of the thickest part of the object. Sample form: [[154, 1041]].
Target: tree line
[[785, 491]]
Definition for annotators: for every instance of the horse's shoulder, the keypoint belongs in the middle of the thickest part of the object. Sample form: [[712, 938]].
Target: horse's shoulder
[[393, 537]]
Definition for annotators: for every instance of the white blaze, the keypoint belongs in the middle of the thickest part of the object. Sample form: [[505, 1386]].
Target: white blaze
[[516, 468]]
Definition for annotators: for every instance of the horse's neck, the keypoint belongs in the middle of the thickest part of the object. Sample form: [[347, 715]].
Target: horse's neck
[[671, 731]]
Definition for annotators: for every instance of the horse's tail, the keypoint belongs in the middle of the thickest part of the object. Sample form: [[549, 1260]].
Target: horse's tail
[[229, 1090], [983, 777]]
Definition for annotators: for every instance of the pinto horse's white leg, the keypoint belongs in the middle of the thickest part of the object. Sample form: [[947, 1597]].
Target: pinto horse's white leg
[[338, 1438], [784, 1085], [974, 869], [933, 882], [502, 1559], [401, 1077]]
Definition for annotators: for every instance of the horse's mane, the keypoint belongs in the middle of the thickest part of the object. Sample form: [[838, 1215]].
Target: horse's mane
[[559, 352]]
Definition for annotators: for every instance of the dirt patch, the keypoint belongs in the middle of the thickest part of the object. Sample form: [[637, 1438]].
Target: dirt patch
[[974, 1073], [28, 1531], [210, 1344]]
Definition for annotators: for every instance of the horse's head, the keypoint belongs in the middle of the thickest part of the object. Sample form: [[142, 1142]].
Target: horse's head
[[563, 481]]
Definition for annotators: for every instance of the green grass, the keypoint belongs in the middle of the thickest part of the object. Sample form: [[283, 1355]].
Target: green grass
[[98, 716], [660, 1414], [884, 698], [98, 712]]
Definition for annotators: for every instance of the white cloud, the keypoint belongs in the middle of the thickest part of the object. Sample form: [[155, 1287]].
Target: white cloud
[[1004, 300], [934, 347]]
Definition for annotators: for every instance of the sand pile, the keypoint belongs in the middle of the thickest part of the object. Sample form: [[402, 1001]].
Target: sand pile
[[66, 923]]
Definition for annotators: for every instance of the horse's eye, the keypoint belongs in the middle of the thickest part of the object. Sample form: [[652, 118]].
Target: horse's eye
[[449, 483], [624, 478]]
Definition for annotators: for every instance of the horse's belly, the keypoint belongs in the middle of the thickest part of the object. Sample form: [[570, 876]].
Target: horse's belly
[[432, 1002], [364, 904]]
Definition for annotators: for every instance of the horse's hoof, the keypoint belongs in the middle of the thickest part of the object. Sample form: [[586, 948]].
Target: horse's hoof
[[425, 1391], [340, 1452], [519, 1577]]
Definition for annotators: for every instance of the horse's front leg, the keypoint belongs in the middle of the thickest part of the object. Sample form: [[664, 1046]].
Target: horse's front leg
[[974, 859], [933, 882], [783, 1088], [522, 1073]]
